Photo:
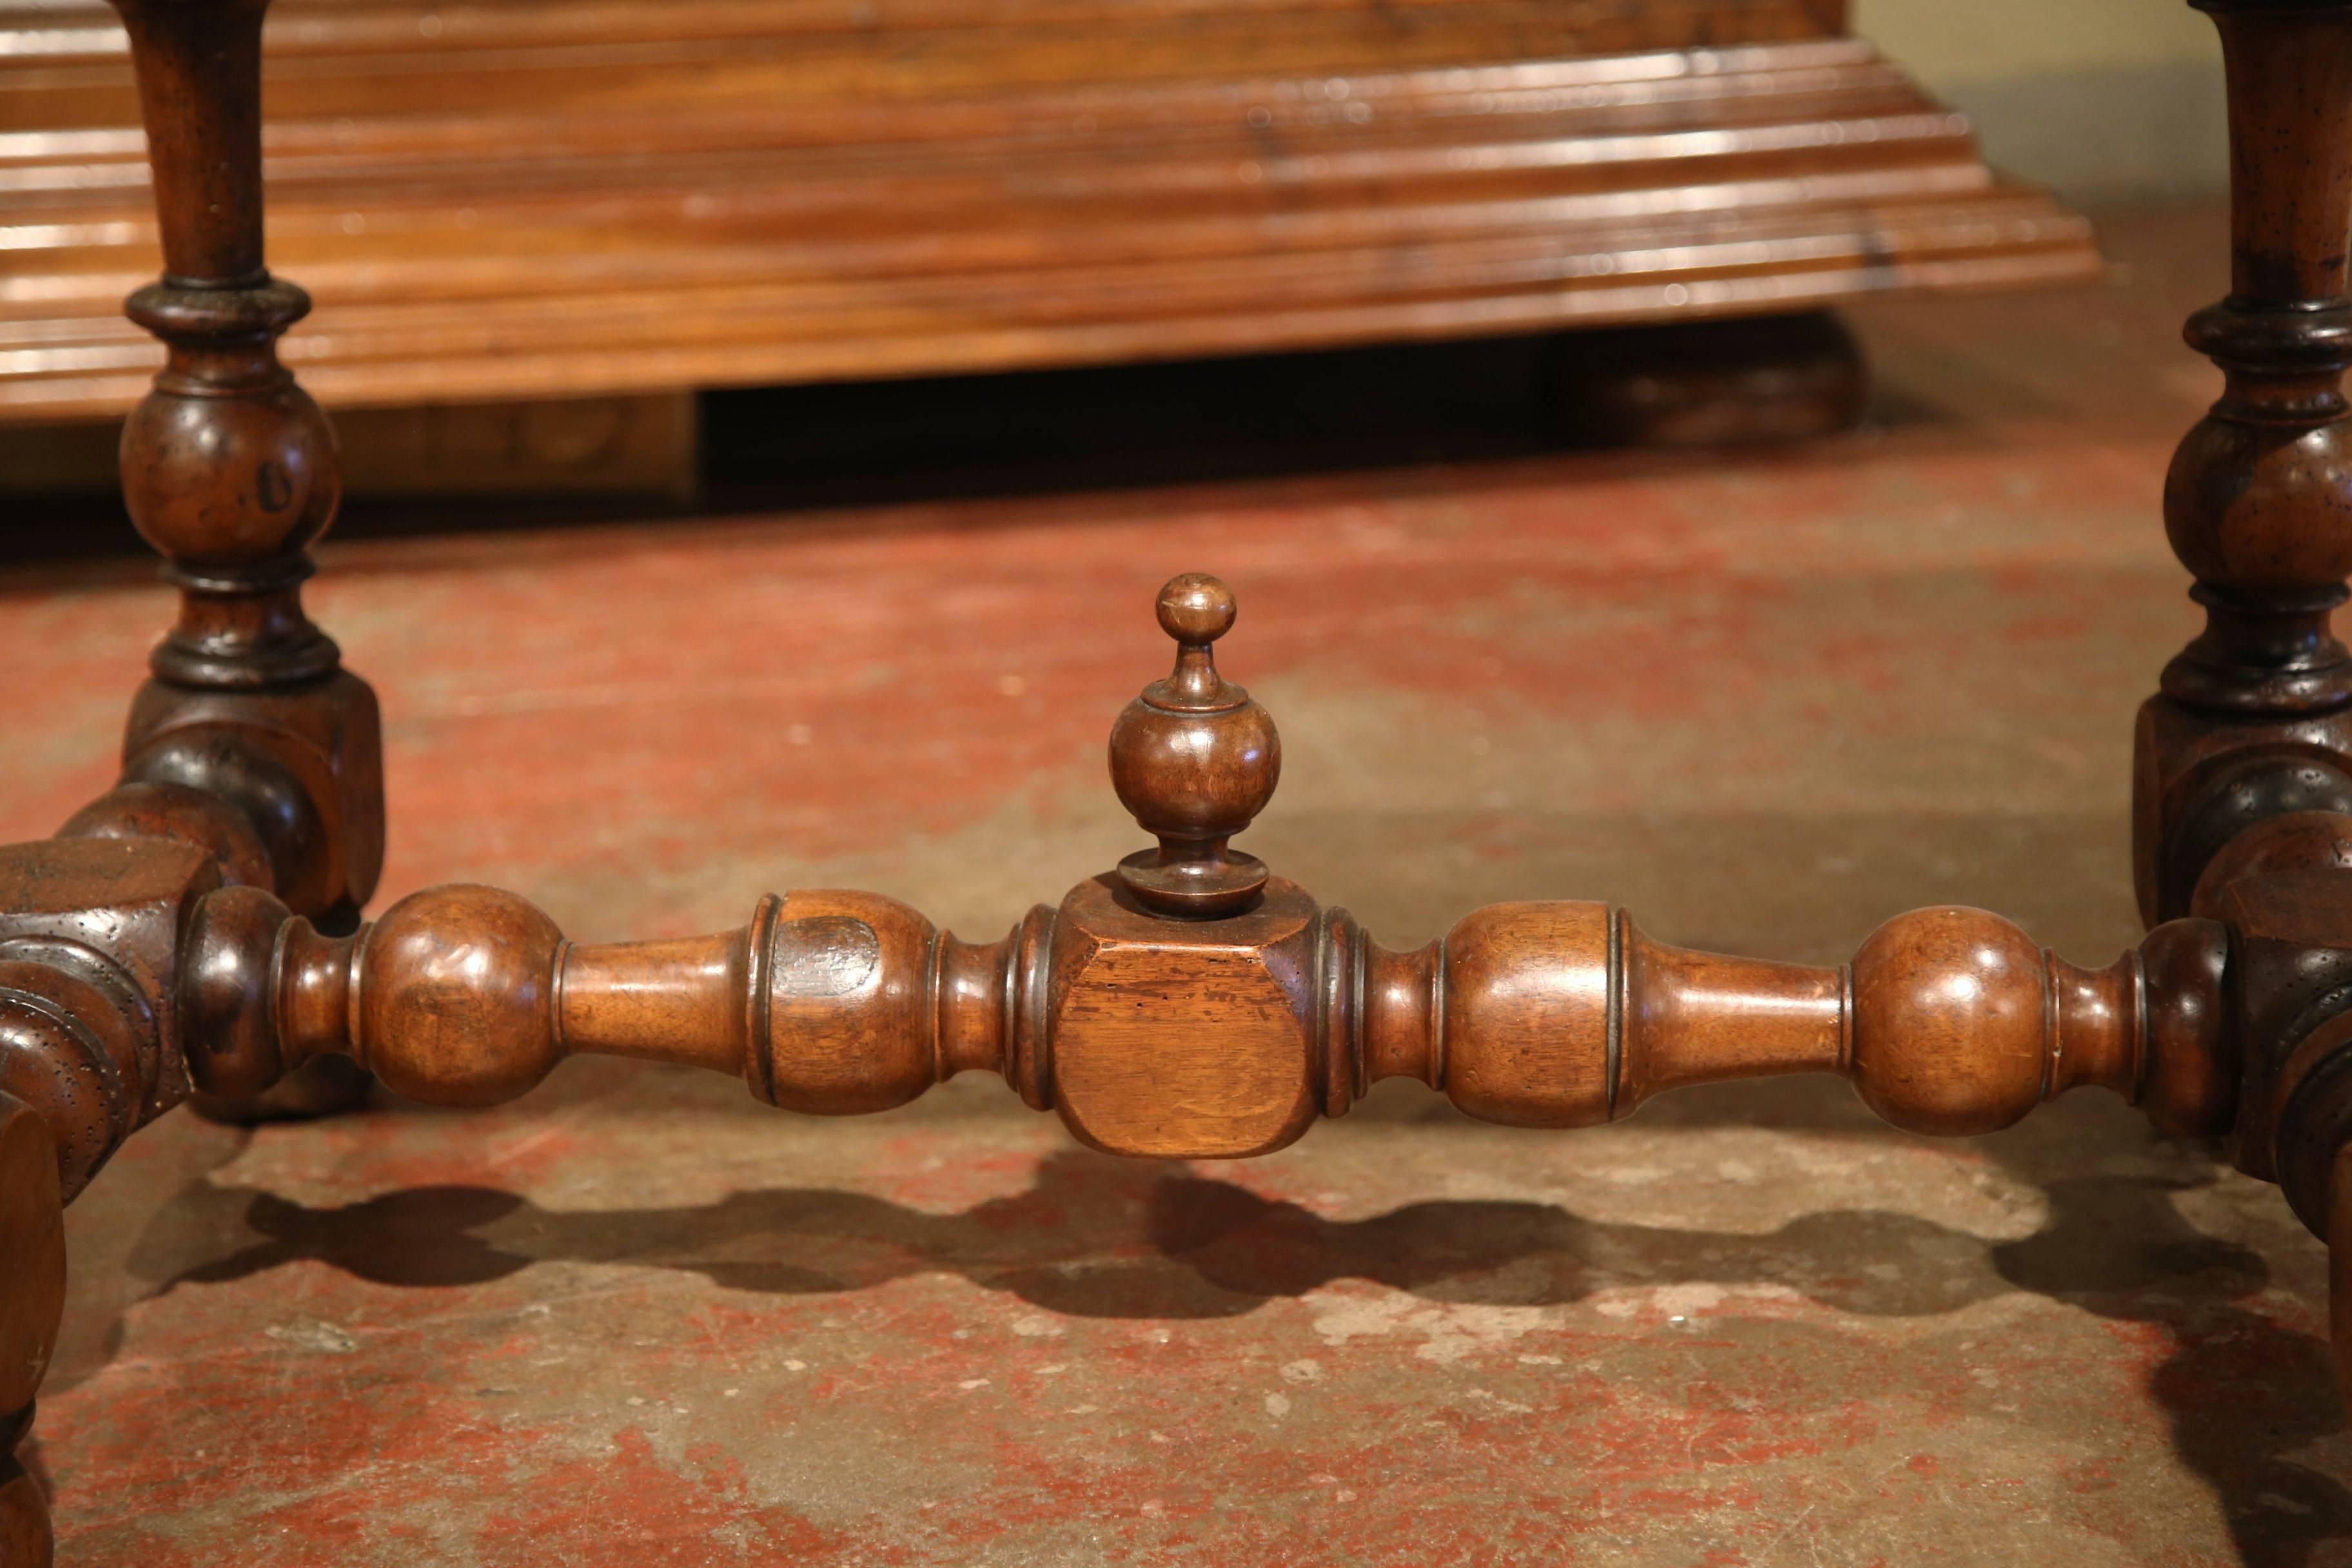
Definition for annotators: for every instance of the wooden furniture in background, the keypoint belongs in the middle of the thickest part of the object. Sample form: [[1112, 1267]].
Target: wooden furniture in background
[[643, 447], [197, 929], [504, 199]]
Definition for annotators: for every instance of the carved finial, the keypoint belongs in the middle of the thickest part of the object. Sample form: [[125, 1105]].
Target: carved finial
[[1194, 759]]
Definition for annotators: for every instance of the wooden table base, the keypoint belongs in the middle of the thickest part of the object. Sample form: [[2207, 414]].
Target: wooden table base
[[198, 929]]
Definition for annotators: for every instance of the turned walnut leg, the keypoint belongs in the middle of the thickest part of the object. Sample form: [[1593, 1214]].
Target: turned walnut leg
[[249, 740], [2243, 766], [2254, 717]]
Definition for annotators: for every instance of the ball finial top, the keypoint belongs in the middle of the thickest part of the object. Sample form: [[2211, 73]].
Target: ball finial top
[[1194, 759], [1196, 609]]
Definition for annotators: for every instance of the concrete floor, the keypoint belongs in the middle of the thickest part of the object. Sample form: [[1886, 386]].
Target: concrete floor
[[1765, 700]]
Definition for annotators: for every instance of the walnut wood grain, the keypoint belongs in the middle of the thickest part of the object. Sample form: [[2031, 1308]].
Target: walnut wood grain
[[828, 1002], [91, 942], [1195, 760], [1193, 1004], [32, 1240], [2253, 718], [1950, 1021], [228, 468], [1196, 1038], [2243, 768], [164, 940], [566, 198], [32, 1302], [25, 1534], [250, 743]]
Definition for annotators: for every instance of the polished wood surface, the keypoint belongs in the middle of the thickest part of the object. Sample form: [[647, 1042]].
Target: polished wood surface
[[250, 741], [1194, 759], [2254, 716], [90, 932], [25, 1539], [1157, 1031], [197, 929], [1205, 1038], [31, 1300], [2242, 773], [566, 198], [32, 1238], [228, 468]]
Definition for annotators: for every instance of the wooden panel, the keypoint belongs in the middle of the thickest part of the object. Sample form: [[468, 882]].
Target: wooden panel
[[547, 197]]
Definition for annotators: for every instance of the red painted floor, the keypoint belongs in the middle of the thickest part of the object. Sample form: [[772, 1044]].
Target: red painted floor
[[1764, 698]]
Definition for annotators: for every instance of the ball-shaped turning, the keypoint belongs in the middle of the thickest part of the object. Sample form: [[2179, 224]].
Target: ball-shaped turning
[[230, 483], [1195, 760], [1949, 1023], [460, 1005], [1195, 607], [1194, 775]]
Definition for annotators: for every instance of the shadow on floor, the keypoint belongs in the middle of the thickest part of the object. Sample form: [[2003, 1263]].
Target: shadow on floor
[[2242, 1393]]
